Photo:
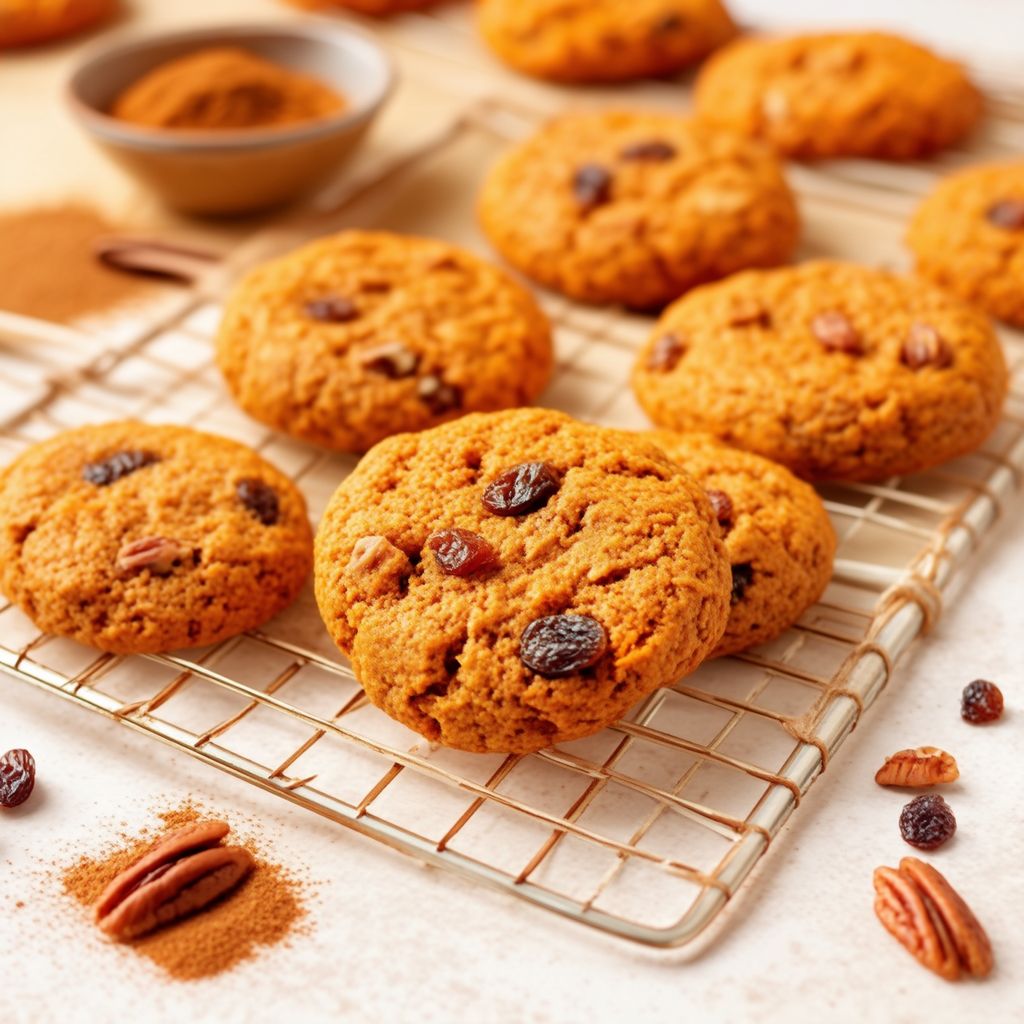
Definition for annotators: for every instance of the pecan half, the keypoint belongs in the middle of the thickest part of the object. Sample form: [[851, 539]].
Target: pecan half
[[372, 552], [922, 766], [157, 554], [924, 913], [184, 872]]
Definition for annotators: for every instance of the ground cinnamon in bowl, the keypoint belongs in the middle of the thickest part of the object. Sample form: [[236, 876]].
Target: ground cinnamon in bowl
[[263, 911], [225, 88]]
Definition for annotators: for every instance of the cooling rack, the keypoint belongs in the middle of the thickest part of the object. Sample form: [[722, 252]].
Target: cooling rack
[[645, 830]]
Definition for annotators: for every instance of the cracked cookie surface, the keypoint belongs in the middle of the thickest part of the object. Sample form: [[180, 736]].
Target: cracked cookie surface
[[134, 538], [968, 237], [636, 208], [834, 370], [776, 530], [838, 94], [603, 40], [623, 553], [364, 334]]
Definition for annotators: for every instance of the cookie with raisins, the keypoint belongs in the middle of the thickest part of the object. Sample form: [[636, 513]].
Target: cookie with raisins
[[365, 334], [777, 534], [517, 579], [134, 538]]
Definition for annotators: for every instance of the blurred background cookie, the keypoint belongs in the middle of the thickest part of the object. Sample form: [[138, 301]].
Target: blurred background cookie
[[30, 22]]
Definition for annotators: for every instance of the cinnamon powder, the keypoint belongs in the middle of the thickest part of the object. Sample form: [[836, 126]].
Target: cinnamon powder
[[263, 911], [47, 267]]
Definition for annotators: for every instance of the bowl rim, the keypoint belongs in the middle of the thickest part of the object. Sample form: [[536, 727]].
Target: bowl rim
[[209, 140]]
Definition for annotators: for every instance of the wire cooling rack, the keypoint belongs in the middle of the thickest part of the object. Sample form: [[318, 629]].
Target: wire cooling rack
[[645, 830]]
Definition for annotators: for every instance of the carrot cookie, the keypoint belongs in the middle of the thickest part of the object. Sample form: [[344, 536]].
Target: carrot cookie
[[835, 370], [518, 579], [365, 334], [136, 539], [636, 208], [968, 237], [603, 40], [778, 536], [840, 94], [30, 22]]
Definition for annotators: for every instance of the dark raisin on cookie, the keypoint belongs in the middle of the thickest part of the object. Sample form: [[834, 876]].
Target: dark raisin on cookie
[[592, 186], [1007, 214], [521, 489], [114, 467], [391, 359], [462, 552], [332, 309], [836, 333], [924, 346], [559, 645], [666, 352], [721, 503], [260, 499], [654, 150], [438, 396], [742, 577]]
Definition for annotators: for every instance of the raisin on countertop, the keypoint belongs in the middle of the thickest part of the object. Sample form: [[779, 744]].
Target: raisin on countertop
[[927, 822]]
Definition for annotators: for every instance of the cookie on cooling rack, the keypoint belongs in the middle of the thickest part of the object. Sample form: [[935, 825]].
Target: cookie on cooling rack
[[636, 208], [839, 94], [603, 40], [778, 536], [364, 334], [136, 539], [517, 579], [834, 370], [31, 22], [968, 237]]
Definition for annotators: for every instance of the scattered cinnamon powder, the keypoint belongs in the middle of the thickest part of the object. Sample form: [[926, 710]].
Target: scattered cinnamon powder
[[264, 910], [224, 88], [47, 267]]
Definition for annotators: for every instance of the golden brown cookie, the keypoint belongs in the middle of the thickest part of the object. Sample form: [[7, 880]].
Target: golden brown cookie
[[30, 22], [365, 334], [835, 370], [839, 94], [518, 579], [136, 539], [603, 40], [636, 208], [968, 237], [778, 536]]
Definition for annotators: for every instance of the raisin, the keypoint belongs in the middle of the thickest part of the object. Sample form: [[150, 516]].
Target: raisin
[[742, 577], [835, 332], [749, 313], [332, 309], [391, 359], [592, 186], [666, 352], [652, 149], [722, 505], [260, 499], [521, 489], [1007, 213], [437, 396], [927, 822], [17, 777], [559, 645], [667, 24], [981, 702], [462, 552], [924, 346], [114, 467]]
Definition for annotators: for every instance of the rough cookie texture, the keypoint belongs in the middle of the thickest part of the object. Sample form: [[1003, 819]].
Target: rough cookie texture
[[603, 40], [839, 94], [835, 370], [968, 237], [627, 539], [365, 334], [139, 555], [635, 208], [776, 531]]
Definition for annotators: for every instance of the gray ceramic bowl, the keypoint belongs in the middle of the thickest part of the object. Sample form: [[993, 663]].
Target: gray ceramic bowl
[[237, 171]]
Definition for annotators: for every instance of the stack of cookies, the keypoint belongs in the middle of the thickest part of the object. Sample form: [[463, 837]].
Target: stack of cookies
[[503, 578]]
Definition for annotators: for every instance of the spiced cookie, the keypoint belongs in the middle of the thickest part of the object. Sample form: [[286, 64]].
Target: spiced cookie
[[518, 579], [635, 208], [839, 94], [778, 536], [968, 237], [136, 539], [603, 40], [31, 22], [365, 334], [834, 370]]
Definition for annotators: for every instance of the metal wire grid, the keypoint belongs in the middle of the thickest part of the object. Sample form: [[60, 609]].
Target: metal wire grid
[[645, 830]]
